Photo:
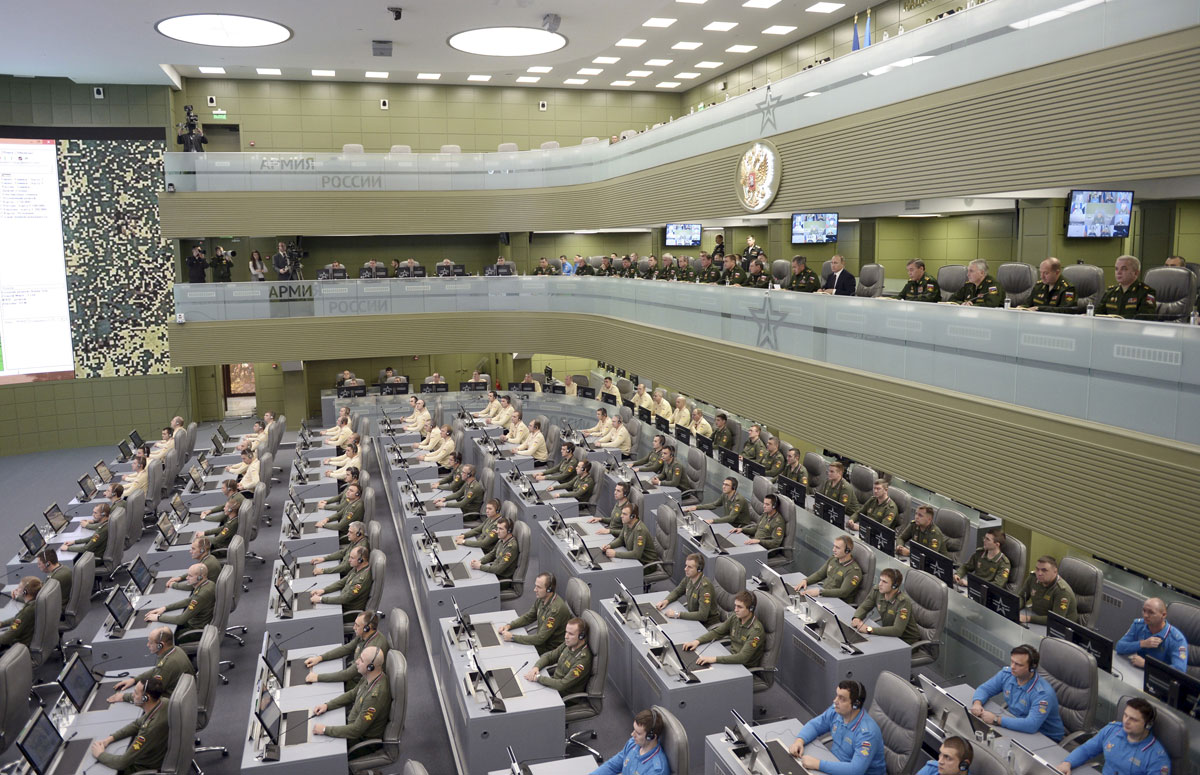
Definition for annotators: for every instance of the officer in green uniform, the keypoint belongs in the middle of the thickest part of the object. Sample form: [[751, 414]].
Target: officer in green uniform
[[733, 274], [549, 611], [580, 488], [453, 476], [350, 510], [19, 629], [564, 469], [747, 639], [471, 500], [98, 541], [501, 561], [357, 535], [483, 535], [572, 661], [223, 534], [634, 542], [980, 289], [754, 448], [672, 473], [922, 531], [896, 612], [989, 563], [336, 501], [544, 268], [355, 586], [1052, 293], [620, 498], [699, 597], [606, 267], [920, 286], [627, 268], [878, 507], [803, 279], [201, 551], [773, 459], [757, 277], [841, 575], [47, 562], [769, 532], [196, 610], [734, 508], [794, 468], [149, 733], [837, 488], [666, 272], [1044, 591], [583, 268], [709, 273], [222, 266], [651, 270], [370, 704], [1129, 297], [170, 664], [217, 513], [652, 462], [366, 635], [723, 435], [683, 271]]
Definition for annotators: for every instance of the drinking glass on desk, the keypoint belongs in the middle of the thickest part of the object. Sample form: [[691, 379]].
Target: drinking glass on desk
[[1002, 747]]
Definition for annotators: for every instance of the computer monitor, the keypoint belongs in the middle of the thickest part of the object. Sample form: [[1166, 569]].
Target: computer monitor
[[683, 435], [877, 536], [351, 391], [218, 445], [620, 372], [393, 389], [585, 392], [284, 589], [33, 540], [632, 609], [77, 681], [205, 464], [179, 507], [932, 562], [103, 471], [224, 434], [752, 468], [609, 399], [124, 451], [119, 607], [643, 414], [269, 715], [1173, 687], [39, 742], [338, 273], [662, 424], [1091, 641], [704, 444], [274, 658], [774, 581], [197, 477], [994, 598], [504, 270], [87, 487], [136, 438], [140, 575], [828, 509], [727, 458], [55, 518]]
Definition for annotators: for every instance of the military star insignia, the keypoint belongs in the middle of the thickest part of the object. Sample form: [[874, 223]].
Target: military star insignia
[[766, 319], [767, 109]]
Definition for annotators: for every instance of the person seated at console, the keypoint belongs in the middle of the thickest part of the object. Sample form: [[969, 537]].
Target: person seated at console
[[19, 629], [617, 438], [149, 732], [580, 488], [564, 469], [734, 508], [699, 425], [355, 586], [366, 635], [353, 460], [534, 445], [170, 665], [697, 593], [954, 758], [468, 498], [1127, 746], [634, 542], [489, 411], [1031, 704], [482, 536], [878, 507], [747, 638], [988, 563], [1152, 636], [442, 450], [572, 661], [517, 431], [839, 577], [643, 753], [652, 461], [602, 424], [501, 561], [97, 542], [420, 415], [897, 615], [857, 743], [550, 612], [370, 705]]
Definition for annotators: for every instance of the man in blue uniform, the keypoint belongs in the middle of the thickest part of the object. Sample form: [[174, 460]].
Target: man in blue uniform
[[642, 754], [1032, 703], [1127, 746], [1152, 636], [857, 742], [954, 758]]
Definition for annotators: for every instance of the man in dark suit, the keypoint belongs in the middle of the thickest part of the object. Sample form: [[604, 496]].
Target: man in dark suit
[[840, 282], [283, 267]]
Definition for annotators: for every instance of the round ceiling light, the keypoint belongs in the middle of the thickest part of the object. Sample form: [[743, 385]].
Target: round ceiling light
[[507, 41], [217, 29]]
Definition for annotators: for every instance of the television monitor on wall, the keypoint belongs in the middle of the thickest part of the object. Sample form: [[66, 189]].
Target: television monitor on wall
[[1099, 214], [814, 228], [683, 235]]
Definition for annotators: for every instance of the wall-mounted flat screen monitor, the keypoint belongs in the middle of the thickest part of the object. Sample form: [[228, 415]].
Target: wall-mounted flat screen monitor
[[1099, 214], [683, 235], [814, 228]]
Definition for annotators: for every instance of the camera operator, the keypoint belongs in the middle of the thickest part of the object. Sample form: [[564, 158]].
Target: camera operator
[[281, 262], [222, 265], [191, 136], [196, 264]]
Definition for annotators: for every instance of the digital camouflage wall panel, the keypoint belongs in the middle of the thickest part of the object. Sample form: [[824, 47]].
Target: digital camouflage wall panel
[[119, 268]]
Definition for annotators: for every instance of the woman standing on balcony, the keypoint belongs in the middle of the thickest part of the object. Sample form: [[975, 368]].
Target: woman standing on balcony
[[258, 270]]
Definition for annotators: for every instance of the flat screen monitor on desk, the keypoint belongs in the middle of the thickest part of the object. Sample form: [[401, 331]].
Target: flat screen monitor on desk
[[831, 511], [1091, 641], [994, 598], [473, 386], [683, 435], [124, 451], [33, 540], [628, 607], [704, 444], [585, 392], [662, 424], [218, 445], [274, 658], [410, 271], [119, 607], [1173, 687], [351, 391], [773, 581], [620, 372], [136, 438], [269, 716], [451, 270], [790, 488], [77, 682], [140, 575], [752, 468], [87, 487], [727, 458], [39, 742], [683, 662], [609, 399], [877, 535], [934, 563], [643, 414], [394, 389], [435, 387], [55, 518], [103, 472]]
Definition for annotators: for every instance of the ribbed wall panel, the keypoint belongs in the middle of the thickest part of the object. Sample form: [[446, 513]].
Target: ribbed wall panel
[[1111, 492]]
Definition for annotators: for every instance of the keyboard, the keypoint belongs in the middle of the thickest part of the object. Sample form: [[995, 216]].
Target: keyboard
[[486, 633], [446, 543], [783, 761], [459, 571], [297, 731], [502, 679], [297, 673], [73, 755]]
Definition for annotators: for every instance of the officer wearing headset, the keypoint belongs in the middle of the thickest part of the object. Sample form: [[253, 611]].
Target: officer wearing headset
[[1128, 746], [642, 754], [1031, 700], [171, 665], [954, 758], [857, 742]]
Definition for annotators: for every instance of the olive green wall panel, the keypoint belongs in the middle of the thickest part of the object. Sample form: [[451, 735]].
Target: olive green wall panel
[[939, 241], [1043, 234], [1050, 126], [1187, 231], [268, 386], [1004, 465], [62, 102]]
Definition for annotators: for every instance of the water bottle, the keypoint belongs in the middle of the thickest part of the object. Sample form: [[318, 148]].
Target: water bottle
[[1007, 303], [1091, 309]]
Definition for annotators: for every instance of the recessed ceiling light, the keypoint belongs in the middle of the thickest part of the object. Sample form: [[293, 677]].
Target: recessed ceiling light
[[630, 42], [824, 7], [539, 69], [606, 60], [507, 41], [621, 83], [659, 62], [575, 81], [707, 65], [483, 78], [687, 76], [639, 73], [667, 85], [687, 45], [778, 29], [428, 76], [812, 94], [529, 79], [657, 22], [376, 74], [268, 71], [589, 71], [759, 3], [324, 73], [720, 26], [219, 29], [213, 70], [692, 2], [740, 49]]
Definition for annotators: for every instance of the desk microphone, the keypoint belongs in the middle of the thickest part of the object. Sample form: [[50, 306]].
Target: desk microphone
[[105, 662], [300, 723], [310, 586], [297, 635], [475, 605], [497, 702], [295, 549], [443, 518]]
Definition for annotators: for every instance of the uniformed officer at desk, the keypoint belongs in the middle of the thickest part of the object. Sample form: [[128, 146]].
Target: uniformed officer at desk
[[196, 610], [1052, 292], [620, 498], [734, 509], [98, 541], [1152, 636], [672, 473], [580, 488], [47, 562], [634, 541], [1128, 747], [696, 591], [980, 289], [1044, 591], [920, 286], [572, 661], [170, 665], [954, 758], [747, 639], [370, 704], [989, 563], [356, 536], [922, 531], [857, 743], [837, 488], [878, 507], [643, 753], [471, 498], [803, 279], [19, 629], [770, 530], [501, 561], [1130, 297], [1030, 700], [149, 731], [366, 635], [549, 611], [839, 577], [355, 586], [483, 535], [652, 462], [754, 448], [896, 612]]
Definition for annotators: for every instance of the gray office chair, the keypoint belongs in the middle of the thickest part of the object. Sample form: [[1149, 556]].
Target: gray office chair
[[1170, 728], [1174, 291], [588, 507], [865, 557], [624, 387], [135, 507], [1187, 618], [870, 281], [900, 710], [190, 640], [1087, 582], [954, 526], [374, 533], [904, 506], [665, 535], [781, 271], [729, 578], [412, 767], [931, 600], [674, 740], [781, 555], [987, 763], [589, 703], [47, 610], [1071, 670], [695, 467], [16, 683], [83, 576], [817, 467], [154, 485], [643, 264], [181, 729], [826, 270], [1017, 281], [266, 464], [208, 655], [769, 610], [114, 552], [1018, 556], [578, 596], [258, 505], [377, 753], [862, 479], [511, 589], [1088, 281], [553, 442], [951, 278], [397, 632], [236, 557], [126, 537], [377, 561]]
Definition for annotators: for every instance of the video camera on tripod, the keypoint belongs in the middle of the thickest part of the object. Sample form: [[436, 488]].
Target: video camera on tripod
[[191, 122], [294, 255]]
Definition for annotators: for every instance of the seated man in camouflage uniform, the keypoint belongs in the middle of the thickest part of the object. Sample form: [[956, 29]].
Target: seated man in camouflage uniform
[[683, 271], [98, 541], [673, 473], [878, 507], [754, 448], [920, 286], [757, 277], [708, 274], [19, 629], [652, 462], [550, 612], [922, 531], [770, 530], [734, 508], [501, 561], [356, 536], [564, 469], [366, 635], [370, 704], [620, 498], [733, 274], [836, 487], [747, 638], [572, 661], [896, 613], [803, 279], [723, 436], [483, 535], [1052, 293], [772, 459], [149, 732], [196, 610], [988, 563], [1044, 591], [980, 289], [794, 468], [635, 541], [840, 573], [699, 597], [355, 586], [170, 665], [1129, 297], [580, 488]]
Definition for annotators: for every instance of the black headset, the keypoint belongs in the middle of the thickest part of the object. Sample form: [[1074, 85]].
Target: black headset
[[372, 622], [551, 583], [655, 725], [858, 693]]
